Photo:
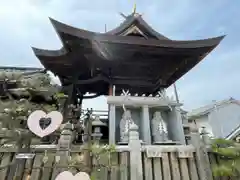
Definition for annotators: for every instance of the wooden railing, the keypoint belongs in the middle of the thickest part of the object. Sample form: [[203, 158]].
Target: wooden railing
[[169, 165], [134, 161]]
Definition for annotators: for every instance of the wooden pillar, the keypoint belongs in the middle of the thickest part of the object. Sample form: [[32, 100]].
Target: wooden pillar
[[69, 90], [110, 90], [88, 142]]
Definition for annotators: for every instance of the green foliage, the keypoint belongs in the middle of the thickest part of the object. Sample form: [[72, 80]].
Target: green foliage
[[99, 152], [93, 177], [25, 93], [97, 149], [217, 143], [228, 156], [102, 155], [60, 95], [230, 152], [223, 171]]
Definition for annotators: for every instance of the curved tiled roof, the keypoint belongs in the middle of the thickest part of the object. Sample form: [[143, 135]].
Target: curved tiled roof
[[136, 19], [145, 65]]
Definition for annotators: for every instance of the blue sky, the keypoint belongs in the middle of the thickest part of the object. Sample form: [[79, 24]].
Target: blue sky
[[25, 23]]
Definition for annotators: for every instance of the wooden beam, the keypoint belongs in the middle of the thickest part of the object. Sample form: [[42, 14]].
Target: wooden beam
[[70, 90], [110, 92]]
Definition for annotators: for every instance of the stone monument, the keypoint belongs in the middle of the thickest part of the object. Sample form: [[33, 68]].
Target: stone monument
[[125, 123], [159, 128]]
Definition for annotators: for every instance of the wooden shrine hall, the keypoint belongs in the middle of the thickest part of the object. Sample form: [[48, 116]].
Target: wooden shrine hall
[[132, 56], [131, 65]]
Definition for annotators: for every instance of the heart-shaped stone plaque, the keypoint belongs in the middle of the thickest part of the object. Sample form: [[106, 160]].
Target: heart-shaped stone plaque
[[43, 124], [66, 175]]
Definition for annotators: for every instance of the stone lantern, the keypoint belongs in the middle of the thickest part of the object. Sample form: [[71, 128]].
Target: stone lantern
[[97, 124]]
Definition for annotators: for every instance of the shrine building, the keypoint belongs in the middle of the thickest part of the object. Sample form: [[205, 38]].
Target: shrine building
[[133, 59]]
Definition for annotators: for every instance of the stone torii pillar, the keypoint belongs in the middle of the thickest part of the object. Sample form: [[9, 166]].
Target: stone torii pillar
[[146, 129], [112, 117], [112, 124]]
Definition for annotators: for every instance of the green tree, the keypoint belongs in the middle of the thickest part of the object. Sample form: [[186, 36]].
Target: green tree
[[228, 154], [20, 94]]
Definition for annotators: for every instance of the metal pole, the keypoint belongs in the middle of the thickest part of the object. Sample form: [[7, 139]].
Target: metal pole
[[175, 92], [105, 28]]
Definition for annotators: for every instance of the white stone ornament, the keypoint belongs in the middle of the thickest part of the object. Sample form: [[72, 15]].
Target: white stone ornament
[[125, 93], [66, 175], [54, 120]]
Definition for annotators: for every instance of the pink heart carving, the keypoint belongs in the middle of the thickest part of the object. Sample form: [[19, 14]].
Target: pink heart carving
[[34, 118], [66, 175]]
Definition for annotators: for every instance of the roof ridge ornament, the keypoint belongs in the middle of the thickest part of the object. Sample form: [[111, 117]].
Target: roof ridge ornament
[[134, 12], [123, 15], [134, 8]]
